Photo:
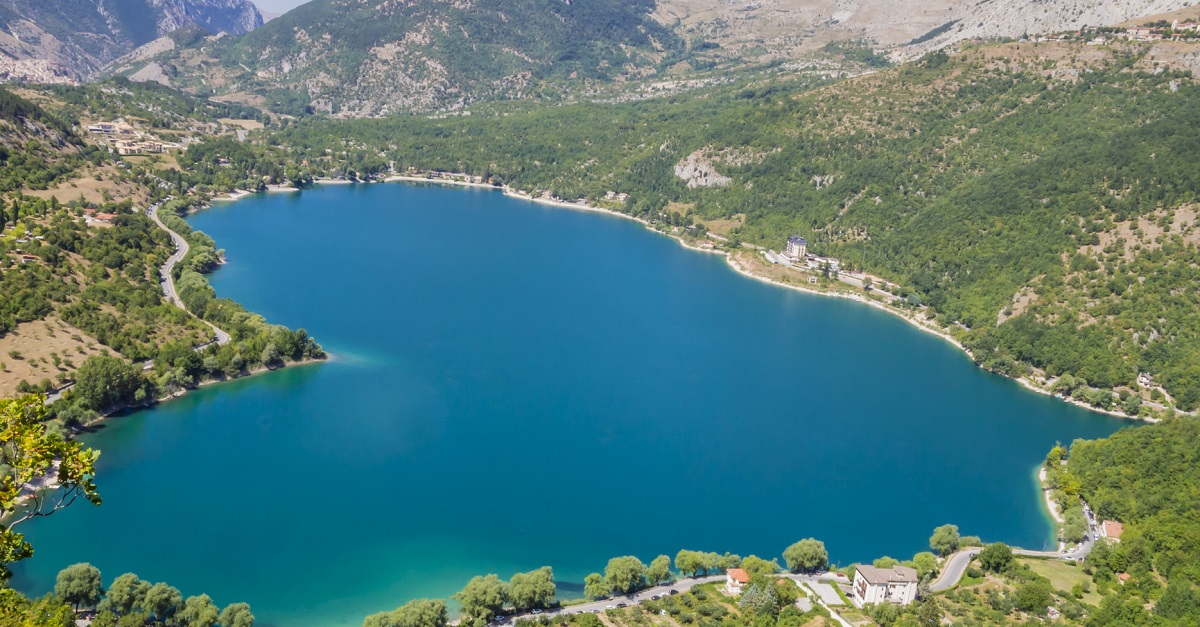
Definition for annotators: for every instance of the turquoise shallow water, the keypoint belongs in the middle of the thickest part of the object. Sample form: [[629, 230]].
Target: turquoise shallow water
[[516, 385]]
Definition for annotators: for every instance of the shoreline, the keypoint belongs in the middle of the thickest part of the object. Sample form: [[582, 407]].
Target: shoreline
[[202, 384], [737, 267], [1051, 506]]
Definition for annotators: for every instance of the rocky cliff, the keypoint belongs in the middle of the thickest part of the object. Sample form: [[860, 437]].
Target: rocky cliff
[[50, 40]]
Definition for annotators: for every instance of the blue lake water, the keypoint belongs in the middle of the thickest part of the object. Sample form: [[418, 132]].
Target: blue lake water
[[517, 385]]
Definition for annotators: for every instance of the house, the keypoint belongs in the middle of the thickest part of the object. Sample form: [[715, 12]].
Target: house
[[735, 580], [27, 258], [105, 217], [823, 263], [1112, 530], [1144, 33], [897, 584], [1123, 577], [797, 247]]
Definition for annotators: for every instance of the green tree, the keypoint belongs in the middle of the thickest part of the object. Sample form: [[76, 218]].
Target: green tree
[[103, 382], [200, 611], [760, 600], [29, 449], [48, 611], [755, 565], [996, 557], [126, 593], [885, 614], [237, 615], [418, 613], [79, 584], [625, 574], [483, 597], [807, 555], [944, 540], [1034, 596], [270, 355], [534, 589], [1178, 601], [689, 562], [728, 560], [929, 614], [163, 601], [925, 563], [594, 587], [885, 562], [659, 571]]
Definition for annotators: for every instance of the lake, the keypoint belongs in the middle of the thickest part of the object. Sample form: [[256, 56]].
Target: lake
[[515, 385]]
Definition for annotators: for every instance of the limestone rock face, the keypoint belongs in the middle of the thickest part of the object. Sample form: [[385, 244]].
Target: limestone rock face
[[65, 40]]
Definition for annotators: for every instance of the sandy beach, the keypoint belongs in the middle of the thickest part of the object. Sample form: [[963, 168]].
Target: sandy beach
[[236, 194]]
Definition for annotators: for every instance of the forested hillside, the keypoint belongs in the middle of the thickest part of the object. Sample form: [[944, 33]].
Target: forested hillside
[[1149, 479], [1039, 199], [80, 296], [367, 58]]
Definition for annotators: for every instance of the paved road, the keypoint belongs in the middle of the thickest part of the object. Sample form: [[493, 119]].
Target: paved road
[[168, 281], [680, 586], [957, 563], [956, 566]]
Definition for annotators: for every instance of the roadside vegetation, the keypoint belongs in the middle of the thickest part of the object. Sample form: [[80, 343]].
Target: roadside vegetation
[[126, 602]]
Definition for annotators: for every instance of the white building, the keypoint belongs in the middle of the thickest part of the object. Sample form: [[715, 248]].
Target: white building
[[797, 247], [735, 580], [897, 584]]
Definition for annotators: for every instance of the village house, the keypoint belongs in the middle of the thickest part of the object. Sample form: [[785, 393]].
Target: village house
[[1112, 530], [105, 217], [1144, 33], [797, 247], [735, 580], [897, 584]]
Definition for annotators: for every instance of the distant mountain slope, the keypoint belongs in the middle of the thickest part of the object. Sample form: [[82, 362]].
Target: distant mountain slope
[[367, 57], [762, 29], [43, 40]]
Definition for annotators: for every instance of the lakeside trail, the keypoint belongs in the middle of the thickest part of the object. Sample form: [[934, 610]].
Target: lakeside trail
[[744, 271]]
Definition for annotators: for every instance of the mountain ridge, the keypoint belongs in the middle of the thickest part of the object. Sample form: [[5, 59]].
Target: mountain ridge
[[365, 58], [71, 40]]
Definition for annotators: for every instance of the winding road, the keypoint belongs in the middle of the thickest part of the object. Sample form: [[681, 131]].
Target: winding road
[[956, 564], [168, 281], [953, 570]]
